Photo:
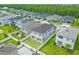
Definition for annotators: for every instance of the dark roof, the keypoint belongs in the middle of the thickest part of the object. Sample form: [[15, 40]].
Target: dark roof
[[68, 18], [68, 33], [53, 17], [9, 49], [43, 28], [40, 15], [30, 25]]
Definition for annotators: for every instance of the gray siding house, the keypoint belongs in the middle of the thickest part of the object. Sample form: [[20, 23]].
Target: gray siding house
[[68, 19], [66, 38], [54, 17], [43, 32], [5, 20]]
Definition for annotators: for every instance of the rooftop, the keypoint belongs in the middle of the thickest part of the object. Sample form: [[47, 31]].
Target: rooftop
[[68, 18], [30, 25], [9, 49], [53, 17], [68, 33], [43, 28]]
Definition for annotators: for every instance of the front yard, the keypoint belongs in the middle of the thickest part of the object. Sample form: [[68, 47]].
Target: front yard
[[50, 48], [6, 30], [32, 43]]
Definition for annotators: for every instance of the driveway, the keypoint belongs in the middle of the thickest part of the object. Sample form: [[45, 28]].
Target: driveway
[[25, 51]]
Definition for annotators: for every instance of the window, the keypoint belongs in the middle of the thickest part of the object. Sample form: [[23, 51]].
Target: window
[[59, 42], [43, 39], [54, 32], [39, 34], [33, 37], [72, 40], [67, 39], [50, 34], [60, 37], [38, 39]]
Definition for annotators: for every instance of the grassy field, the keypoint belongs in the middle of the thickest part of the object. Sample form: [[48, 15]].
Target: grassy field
[[11, 41], [6, 31], [32, 43], [52, 49], [75, 24]]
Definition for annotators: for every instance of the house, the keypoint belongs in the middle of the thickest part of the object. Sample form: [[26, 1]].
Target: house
[[39, 16], [68, 19], [38, 31], [5, 20], [21, 21], [54, 17], [9, 49], [27, 26], [66, 38], [43, 32]]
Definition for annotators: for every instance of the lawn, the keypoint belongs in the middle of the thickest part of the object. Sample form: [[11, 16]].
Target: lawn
[[75, 24], [6, 31], [32, 43], [2, 36], [55, 22], [11, 41], [52, 49]]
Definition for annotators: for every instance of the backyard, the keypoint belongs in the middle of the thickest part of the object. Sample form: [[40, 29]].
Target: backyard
[[32, 43], [11, 41], [51, 48], [19, 35], [6, 30], [56, 22], [75, 24]]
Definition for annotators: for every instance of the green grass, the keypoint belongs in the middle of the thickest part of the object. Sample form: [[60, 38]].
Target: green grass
[[76, 47], [75, 24], [55, 22], [11, 41], [52, 49], [6, 31], [32, 43], [2, 36]]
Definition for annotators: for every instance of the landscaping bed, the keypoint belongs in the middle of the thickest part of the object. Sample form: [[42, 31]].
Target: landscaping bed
[[32, 43]]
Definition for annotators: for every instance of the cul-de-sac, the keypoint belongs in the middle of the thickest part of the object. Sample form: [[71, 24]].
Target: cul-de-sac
[[39, 29]]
